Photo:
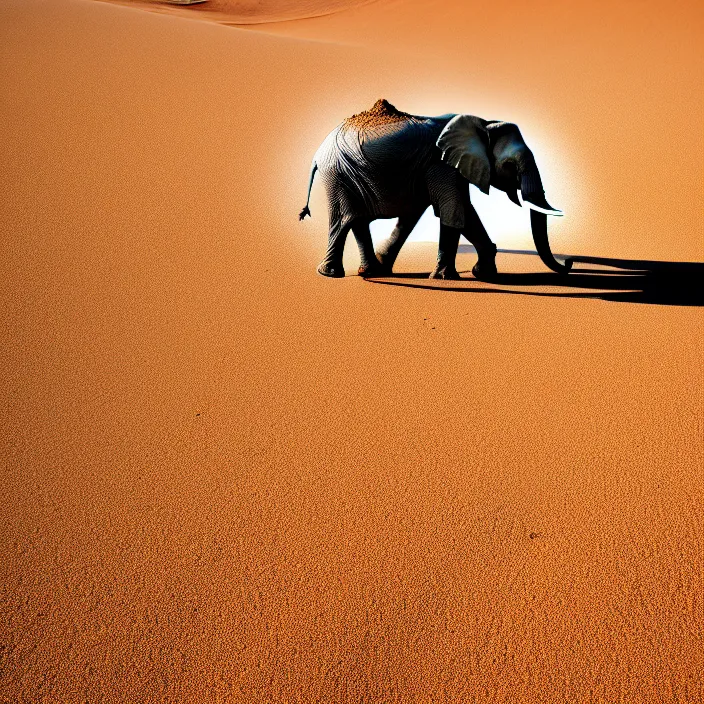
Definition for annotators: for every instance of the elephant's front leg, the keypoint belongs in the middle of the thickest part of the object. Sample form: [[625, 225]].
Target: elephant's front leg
[[474, 231], [369, 265], [389, 249], [447, 253]]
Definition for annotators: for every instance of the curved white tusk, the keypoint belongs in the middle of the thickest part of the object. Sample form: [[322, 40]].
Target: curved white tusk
[[547, 211]]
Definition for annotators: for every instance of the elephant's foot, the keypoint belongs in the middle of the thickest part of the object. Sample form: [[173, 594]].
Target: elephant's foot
[[447, 272], [485, 268], [372, 269], [484, 272], [334, 271], [386, 263]]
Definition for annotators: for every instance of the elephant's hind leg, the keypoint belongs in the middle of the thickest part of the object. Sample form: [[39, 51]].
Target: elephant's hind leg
[[389, 249], [332, 263], [369, 264]]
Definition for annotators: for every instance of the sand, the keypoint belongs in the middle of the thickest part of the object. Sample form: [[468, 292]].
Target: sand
[[381, 113], [228, 479], [245, 12]]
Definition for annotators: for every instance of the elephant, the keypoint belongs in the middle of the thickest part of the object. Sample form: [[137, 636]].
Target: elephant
[[384, 163]]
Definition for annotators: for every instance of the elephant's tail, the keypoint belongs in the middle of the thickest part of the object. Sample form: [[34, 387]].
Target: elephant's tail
[[306, 210]]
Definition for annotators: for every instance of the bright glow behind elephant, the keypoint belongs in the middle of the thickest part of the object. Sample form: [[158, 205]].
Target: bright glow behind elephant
[[508, 226], [384, 163]]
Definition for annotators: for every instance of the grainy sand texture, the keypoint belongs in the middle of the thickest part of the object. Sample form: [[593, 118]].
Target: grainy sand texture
[[228, 479]]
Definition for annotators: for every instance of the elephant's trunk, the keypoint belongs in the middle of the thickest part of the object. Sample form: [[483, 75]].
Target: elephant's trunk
[[539, 225], [534, 196]]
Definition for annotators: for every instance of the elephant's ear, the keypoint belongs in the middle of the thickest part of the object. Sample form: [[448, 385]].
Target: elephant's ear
[[515, 167], [463, 144]]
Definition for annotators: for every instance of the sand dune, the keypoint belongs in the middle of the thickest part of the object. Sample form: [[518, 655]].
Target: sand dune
[[246, 12], [227, 479]]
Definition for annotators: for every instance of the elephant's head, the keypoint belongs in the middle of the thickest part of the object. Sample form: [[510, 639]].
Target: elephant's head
[[492, 153]]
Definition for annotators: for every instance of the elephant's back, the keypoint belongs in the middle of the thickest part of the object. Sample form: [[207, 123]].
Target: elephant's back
[[399, 145], [382, 136], [377, 159]]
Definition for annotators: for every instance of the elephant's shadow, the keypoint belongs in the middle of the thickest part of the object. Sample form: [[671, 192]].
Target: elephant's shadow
[[639, 281]]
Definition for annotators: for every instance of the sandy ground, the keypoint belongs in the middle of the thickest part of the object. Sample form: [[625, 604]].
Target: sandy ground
[[227, 479]]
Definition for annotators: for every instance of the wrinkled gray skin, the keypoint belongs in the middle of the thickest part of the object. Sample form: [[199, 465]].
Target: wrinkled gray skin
[[400, 168]]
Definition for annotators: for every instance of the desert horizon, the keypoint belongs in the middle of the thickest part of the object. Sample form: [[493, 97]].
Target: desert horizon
[[230, 479]]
